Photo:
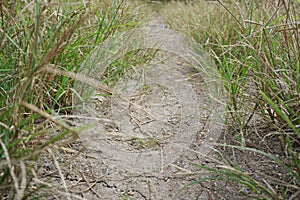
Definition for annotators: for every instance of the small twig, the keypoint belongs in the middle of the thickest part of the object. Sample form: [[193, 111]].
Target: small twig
[[46, 115], [60, 174], [90, 187], [75, 185], [85, 190], [23, 177], [253, 22], [162, 160], [19, 192], [67, 149], [149, 188], [58, 191], [180, 168]]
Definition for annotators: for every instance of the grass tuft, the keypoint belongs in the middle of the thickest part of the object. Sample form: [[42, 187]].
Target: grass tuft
[[38, 39], [256, 47]]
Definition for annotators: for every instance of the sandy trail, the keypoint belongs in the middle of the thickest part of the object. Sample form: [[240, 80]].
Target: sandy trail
[[154, 160]]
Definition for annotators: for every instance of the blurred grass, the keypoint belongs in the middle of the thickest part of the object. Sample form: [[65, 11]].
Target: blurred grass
[[256, 47], [34, 36], [126, 64]]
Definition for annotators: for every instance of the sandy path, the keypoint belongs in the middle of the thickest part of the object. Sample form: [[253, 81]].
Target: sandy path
[[121, 168]]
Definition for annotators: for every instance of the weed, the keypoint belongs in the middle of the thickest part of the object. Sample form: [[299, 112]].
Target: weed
[[256, 47], [39, 38]]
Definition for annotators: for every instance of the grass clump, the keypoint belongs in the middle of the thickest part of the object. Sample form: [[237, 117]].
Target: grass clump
[[38, 37], [256, 47]]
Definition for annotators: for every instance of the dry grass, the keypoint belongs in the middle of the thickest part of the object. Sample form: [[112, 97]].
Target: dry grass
[[39, 35], [256, 47]]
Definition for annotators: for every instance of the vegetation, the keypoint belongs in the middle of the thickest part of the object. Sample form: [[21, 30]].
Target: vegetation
[[40, 41], [256, 47]]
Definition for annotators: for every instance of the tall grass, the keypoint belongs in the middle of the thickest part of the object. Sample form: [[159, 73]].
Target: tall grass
[[36, 36], [256, 47]]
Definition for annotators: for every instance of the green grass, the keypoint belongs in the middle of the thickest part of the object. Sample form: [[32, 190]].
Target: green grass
[[125, 64], [256, 47], [37, 39]]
